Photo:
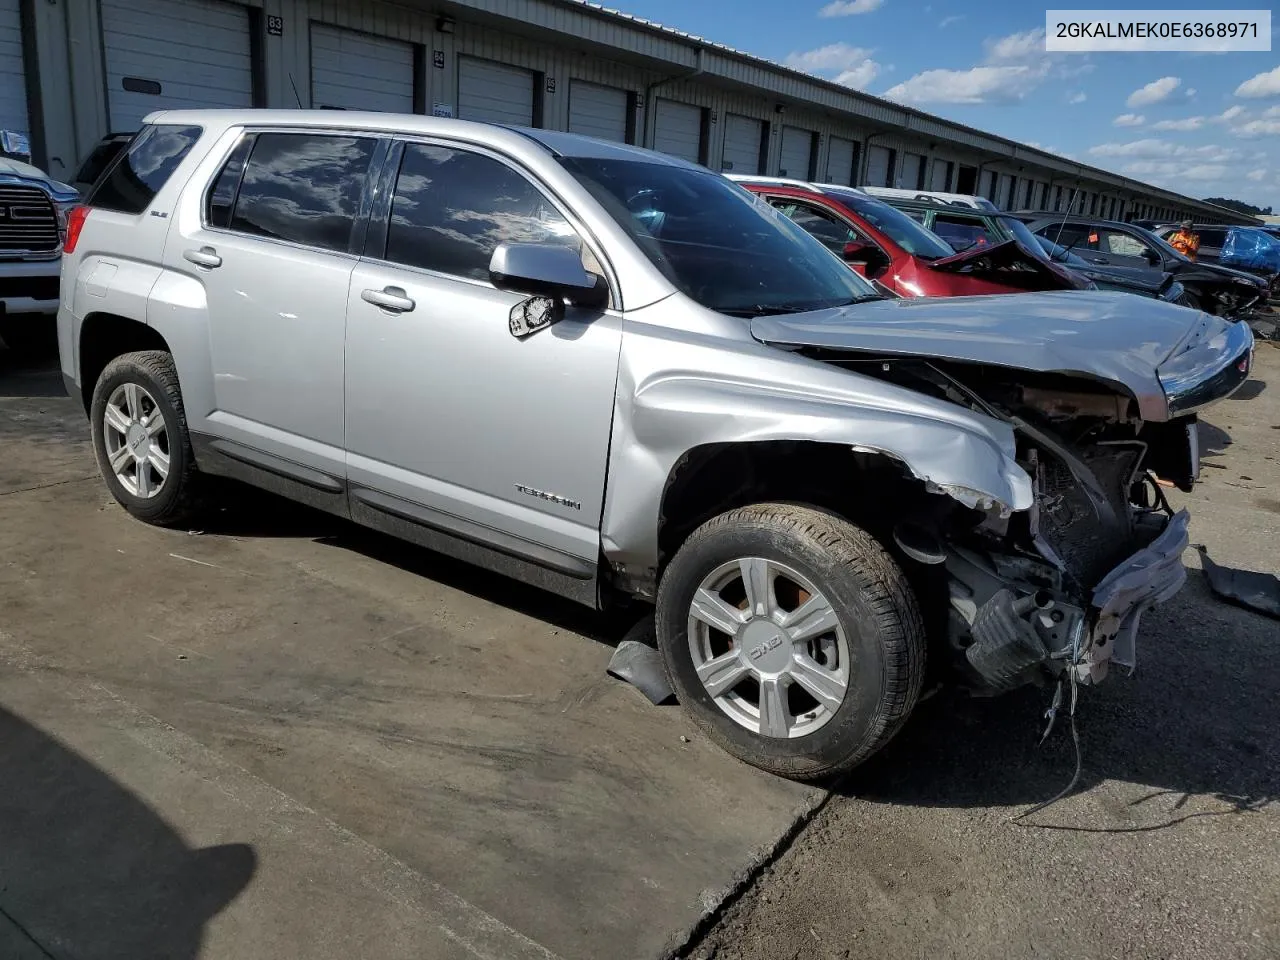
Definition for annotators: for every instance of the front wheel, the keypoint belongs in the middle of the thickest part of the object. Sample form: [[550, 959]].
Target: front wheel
[[792, 638]]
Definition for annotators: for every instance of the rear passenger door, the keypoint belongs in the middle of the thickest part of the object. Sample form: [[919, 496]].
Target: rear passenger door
[[273, 256], [452, 423]]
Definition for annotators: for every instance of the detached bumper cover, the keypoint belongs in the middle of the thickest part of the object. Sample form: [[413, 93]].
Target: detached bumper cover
[[1152, 575]]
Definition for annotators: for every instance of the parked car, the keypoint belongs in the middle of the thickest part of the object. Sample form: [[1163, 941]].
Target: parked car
[[1106, 277], [976, 229], [883, 244], [616, 374], [33, 210], [1147, 258], [934, 196], [99, 159], [1251, 249]]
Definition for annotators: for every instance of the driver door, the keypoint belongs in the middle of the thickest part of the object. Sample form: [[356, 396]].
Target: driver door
[[452, 423]]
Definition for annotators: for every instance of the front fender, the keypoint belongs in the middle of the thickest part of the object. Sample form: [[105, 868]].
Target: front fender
[[746, 392]]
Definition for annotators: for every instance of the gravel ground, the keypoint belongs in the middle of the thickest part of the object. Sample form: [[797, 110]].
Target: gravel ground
[[1169, 847]]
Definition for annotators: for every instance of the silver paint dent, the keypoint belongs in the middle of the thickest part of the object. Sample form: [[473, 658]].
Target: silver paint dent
[[690, 377], [1114, 338]]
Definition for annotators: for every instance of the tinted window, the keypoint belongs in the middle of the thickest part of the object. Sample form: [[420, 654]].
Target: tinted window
[[99, 160], [148, 164], [452, 208], [961, 232], [304, 188], [833, 233], [1073, 236], [722, 246], [1212, 238], [897, 226], [223, 195]]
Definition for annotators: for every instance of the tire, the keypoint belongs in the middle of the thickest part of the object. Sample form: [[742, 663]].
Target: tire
[[878, 636], [175, 499]]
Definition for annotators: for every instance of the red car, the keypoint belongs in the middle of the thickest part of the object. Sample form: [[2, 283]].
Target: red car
[[884, 244]]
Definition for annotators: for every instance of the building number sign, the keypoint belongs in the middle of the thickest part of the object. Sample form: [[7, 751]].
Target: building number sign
[[275, 26]]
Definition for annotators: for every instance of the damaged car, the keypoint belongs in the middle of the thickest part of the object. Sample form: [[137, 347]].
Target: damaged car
[[621, 377]]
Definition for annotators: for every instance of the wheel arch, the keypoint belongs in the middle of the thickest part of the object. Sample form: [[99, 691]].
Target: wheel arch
[[105, 336]]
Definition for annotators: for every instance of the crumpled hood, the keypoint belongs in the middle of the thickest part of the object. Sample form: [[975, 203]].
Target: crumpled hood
[[1114, 337]]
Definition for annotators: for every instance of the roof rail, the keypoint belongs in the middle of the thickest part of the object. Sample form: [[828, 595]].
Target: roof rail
[[775, 181]]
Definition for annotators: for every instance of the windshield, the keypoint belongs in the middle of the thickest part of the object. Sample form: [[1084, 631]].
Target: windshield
[[896, 225], [1019, 230], [1060, 253], [719, 244]]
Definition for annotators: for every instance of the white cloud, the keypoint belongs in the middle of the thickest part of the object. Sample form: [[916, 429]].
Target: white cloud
[[1186, 123], [1258, 128], [1129, 120], [1078, 97], [948, 21], [1263, 85], [1153, 92], [1191, 92], [1016, 47], [834, 56], [1257, 175], [1154, 148], [975, 85], [852, 66], [1269, 112], [1230, 114], [847, 8]]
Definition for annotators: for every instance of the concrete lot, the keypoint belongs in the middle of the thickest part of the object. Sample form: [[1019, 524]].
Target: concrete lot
[[283, 737], [1169, 849]]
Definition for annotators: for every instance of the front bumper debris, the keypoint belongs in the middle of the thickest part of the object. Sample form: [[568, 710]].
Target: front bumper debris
[[1151, 575]]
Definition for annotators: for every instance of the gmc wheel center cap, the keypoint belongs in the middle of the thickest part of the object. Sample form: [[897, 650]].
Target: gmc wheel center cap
[[136, 438], [765, 646]]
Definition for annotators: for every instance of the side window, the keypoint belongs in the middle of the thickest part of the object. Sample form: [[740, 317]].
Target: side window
[[145, 168], [1213, 238], [303, 187], [1123, 245], [451, 208], [961, 232], [1074, 236], [223, 195], [916, 215], [831, 231]]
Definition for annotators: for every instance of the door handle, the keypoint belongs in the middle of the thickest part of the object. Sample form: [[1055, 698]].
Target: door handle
[[388, 298], [204, 257]]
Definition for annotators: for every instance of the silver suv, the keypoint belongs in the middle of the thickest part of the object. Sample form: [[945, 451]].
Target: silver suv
[[618, 375]]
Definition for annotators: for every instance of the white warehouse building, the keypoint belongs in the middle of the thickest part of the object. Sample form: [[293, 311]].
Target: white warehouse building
[[73, 70]]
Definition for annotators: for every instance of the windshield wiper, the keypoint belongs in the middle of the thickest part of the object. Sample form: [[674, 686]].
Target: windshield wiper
[[768, 309]]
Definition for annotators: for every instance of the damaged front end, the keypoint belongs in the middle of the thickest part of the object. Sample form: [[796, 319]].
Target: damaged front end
[[1059, 589]]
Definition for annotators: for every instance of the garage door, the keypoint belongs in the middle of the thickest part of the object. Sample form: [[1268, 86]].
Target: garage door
[[495, 92], [678, 130], [13, 86], [840, 153], [941, 175], [162, 54], [879, 162], [357, 71], [910, 171], [742, 136], [596, 111], [797, 153]]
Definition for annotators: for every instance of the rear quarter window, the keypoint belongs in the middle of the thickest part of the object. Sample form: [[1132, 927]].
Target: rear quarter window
[[135, 179]]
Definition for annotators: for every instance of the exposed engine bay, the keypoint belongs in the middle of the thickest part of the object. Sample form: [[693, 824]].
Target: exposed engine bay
[[1058, 589]]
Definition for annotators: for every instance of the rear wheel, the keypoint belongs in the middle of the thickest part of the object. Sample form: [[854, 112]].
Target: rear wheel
[[792, 638], [140, 438]]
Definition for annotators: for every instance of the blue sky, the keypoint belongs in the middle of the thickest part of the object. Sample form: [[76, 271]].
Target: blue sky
[[1201, 124]]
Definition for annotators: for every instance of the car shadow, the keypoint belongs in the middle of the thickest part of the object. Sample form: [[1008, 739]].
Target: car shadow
[[238, 510], [1213, 439], [1198, 719], [1250, 389], [25, 375], [89, 870]]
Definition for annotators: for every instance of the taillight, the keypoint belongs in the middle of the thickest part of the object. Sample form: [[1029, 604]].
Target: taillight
[[75, 223]]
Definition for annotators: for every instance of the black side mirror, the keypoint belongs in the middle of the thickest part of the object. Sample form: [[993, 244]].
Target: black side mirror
[[1152, 257], [872, 258], [546, 270]]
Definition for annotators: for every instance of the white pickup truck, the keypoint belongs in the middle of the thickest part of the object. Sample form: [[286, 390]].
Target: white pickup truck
[[33, 220]]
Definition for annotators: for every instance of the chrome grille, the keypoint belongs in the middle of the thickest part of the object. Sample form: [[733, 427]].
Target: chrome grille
[[28, 220]]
